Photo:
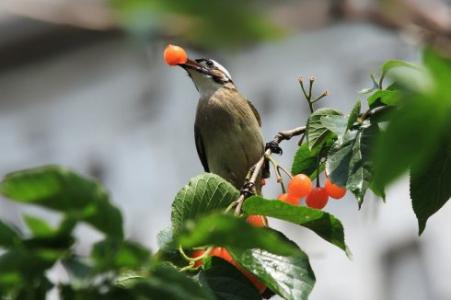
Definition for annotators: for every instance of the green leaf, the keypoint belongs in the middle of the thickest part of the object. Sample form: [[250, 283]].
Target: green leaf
[[388, 97], [169, 249], [317, 134], [63, 190], [27, 264], [36, 289], [164, 238], [354, 115], [360, 166], [112, 254], [8, 236], [72, 292], [349, 164], [227, 282], [166, 282], [430, 187], [51, 246], [77, 268], [105, 217], [291, 276], [305, 160], [50, 186], [392, 64], [8, 282], [38, 226], [129, 278], [324, 224], [377, 192], [335, 124], [204, 193], [337, 163], [440, 68], [221, 230], [411, 136]]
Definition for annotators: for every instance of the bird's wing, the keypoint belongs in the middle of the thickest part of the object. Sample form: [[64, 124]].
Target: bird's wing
[[266, 172], [254, 110], [200, 148]]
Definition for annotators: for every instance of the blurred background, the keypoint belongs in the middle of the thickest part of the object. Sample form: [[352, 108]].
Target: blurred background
[[83, 84]]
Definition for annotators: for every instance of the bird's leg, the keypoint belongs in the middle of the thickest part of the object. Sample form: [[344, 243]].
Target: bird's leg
[[248, 189]]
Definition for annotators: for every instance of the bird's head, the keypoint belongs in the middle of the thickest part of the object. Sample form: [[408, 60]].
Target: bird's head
[[208, 75]]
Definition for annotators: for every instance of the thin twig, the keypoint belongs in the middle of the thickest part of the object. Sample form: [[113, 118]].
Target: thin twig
[[324, 94], [309, 94], [301, 82], [310, 88]]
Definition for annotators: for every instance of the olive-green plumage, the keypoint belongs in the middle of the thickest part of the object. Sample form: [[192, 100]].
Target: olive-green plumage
[[228, 135]]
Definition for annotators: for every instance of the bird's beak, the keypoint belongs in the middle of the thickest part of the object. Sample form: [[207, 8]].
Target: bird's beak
[[194, 65]]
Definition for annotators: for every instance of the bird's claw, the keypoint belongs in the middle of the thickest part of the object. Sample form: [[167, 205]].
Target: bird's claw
[[274, 147], [248, 189]]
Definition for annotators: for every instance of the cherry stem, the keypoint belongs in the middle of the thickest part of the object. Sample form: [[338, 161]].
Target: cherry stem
[[318, 161], [192, 260]]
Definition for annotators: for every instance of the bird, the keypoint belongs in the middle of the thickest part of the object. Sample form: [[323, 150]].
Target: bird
[[227, 127]]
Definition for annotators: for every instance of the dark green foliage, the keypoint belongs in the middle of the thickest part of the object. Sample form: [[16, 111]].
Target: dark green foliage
[[201, 22], [225, 231], [305, 161], [60, 189], [430, 187], [227, 282], [416, 128], [116, 254], [322, 223], [290, 276]]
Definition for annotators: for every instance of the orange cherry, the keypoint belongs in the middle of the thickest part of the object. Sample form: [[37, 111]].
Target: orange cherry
[[333, 190], [257, 220], [289, 198], [175, 55], [299, 186], [224, 254]]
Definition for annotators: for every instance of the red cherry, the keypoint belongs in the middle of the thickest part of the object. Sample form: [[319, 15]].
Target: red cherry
[[197, 253], [317, 198]]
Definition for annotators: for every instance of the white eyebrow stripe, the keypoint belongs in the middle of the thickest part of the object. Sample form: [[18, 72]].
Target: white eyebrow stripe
[[221, 68]]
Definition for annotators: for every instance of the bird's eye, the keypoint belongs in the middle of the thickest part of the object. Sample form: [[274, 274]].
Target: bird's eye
[[209, 63]]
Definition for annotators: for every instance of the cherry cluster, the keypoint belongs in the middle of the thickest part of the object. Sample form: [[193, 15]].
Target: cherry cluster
[[300, 186]]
